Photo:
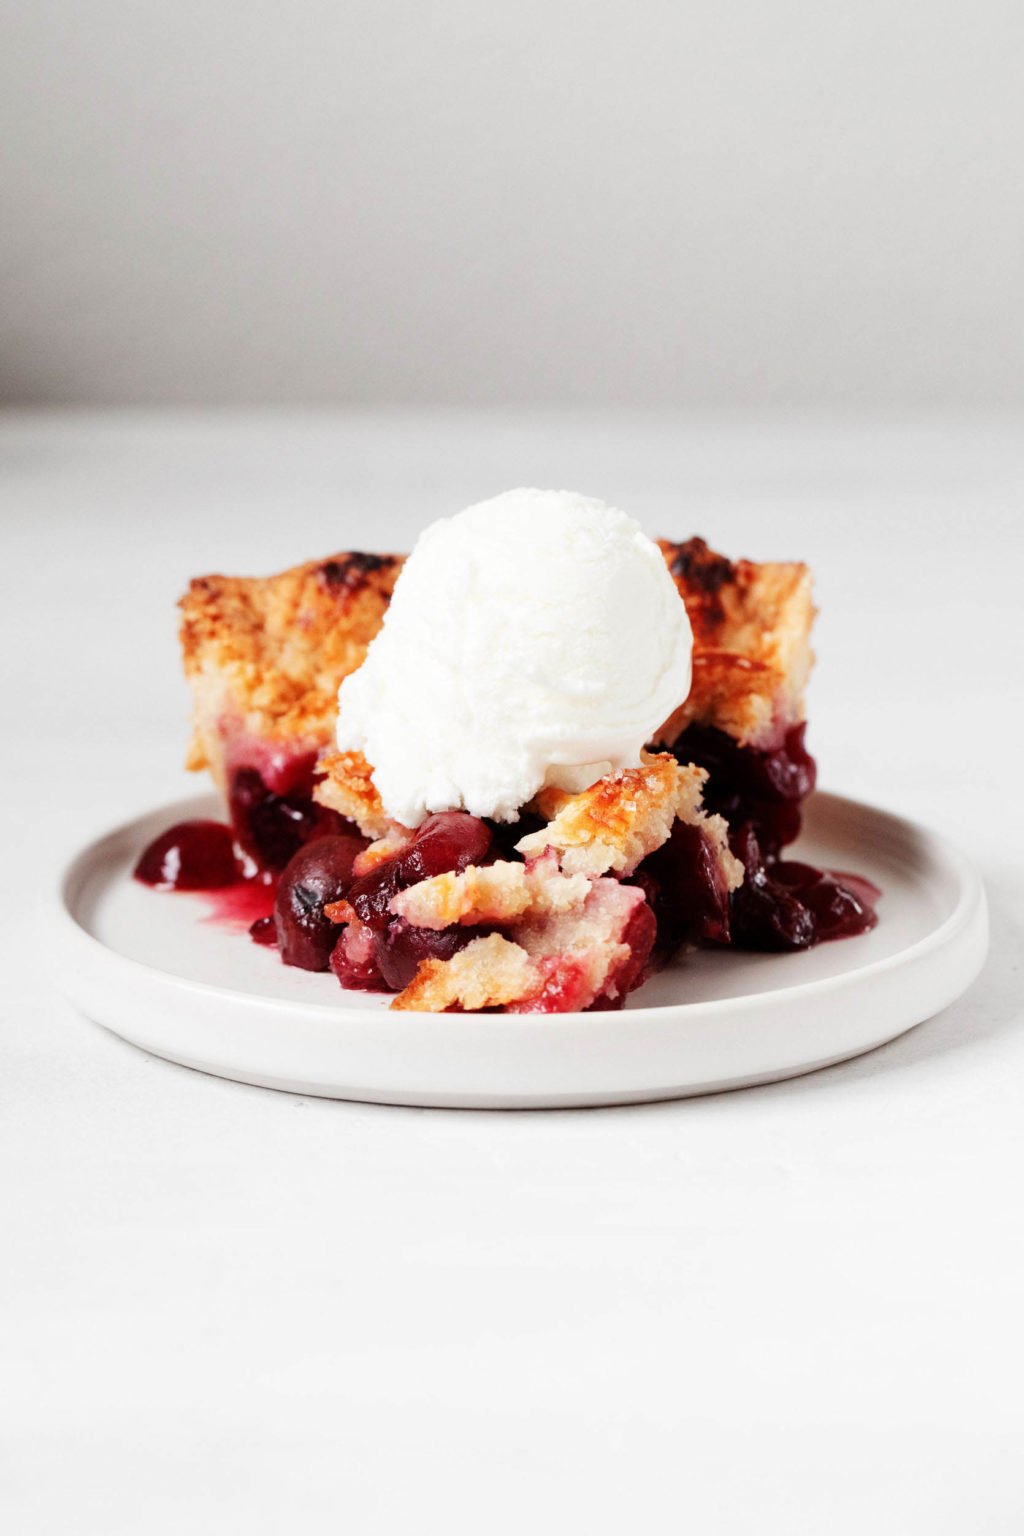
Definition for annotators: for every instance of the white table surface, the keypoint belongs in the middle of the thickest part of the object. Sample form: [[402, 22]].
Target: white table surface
[[793, 1309]]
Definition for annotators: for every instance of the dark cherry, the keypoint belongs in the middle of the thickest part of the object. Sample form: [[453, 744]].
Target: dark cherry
[[263, 931], [684, 886], [316, 875], [763, 788], [192, 856], [841, 905], [865, 890], [781, 905], [354, 960], [387, 952], [400, 948], [370, 895], [788, 905], [765, 915], [451, 840], [271, 827]]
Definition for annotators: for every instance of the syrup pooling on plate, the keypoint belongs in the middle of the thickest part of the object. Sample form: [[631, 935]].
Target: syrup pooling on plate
[[243, 905], [286, 908], [202, 857], [238, 874], [191, 856]]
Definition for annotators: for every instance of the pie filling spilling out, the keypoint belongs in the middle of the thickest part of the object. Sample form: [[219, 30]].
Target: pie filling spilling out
[[570, 906]]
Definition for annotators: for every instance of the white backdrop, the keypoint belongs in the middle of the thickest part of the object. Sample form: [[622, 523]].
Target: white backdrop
[[760, 202]]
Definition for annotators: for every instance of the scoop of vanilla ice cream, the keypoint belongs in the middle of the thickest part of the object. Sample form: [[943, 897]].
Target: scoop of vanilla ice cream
[[535, 638]]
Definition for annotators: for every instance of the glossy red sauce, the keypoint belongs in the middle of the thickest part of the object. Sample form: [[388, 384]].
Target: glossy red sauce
[[192, 856], [201, 857], [242, 905]]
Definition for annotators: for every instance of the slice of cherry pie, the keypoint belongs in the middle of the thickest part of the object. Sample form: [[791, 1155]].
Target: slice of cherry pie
[[572, 905]]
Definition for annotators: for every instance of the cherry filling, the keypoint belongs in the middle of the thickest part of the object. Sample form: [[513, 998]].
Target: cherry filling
[[782, 904], [640, 935], [450, 840], [272, 826], [685, 889], [401, 949], [744, 784], [380, 951], [314, 877], [354, 960]]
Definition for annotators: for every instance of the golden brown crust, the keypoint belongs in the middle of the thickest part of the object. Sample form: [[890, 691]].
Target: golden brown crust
[[265, 655], [489, 973], [752, 653], [625, 816], [502, 892], [347, 787]]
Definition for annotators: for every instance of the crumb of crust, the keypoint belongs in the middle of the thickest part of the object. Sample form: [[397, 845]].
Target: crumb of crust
[[347, 787], [490, 972], [716, 830], [619, 820], [492, 893], [752, 654]]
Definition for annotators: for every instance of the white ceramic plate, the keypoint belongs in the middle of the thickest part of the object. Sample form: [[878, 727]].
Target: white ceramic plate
[[157, 970]]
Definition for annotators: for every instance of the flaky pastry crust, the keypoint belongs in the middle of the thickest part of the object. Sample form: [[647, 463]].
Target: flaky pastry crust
[[752, 652], [502, 892], [491, 972], [622, 818], [265, 655], [346, 786]]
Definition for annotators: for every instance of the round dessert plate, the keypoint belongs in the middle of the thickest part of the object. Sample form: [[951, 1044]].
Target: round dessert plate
[[161, 971]]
